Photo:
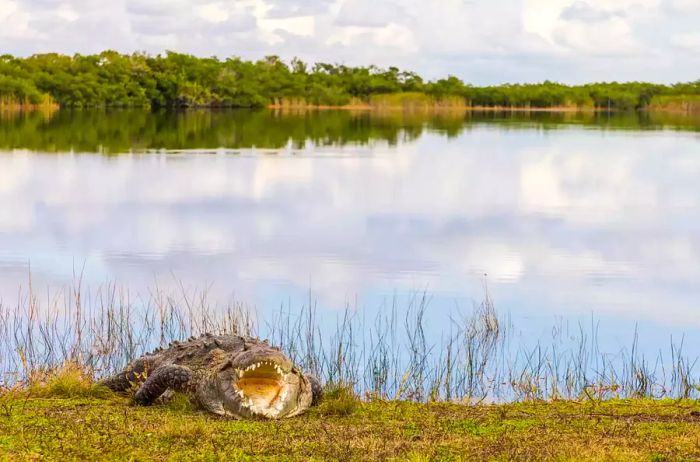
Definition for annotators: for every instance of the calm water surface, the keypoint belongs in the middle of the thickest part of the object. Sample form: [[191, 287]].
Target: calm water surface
[[563, 216]]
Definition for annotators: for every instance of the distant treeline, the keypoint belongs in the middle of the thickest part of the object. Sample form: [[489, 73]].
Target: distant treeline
[[111, 79]]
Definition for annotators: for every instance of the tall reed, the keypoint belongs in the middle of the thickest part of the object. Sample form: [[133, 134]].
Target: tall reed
[[479, 356]]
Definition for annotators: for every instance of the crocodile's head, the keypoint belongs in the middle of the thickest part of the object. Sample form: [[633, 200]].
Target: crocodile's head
[[261, 382]]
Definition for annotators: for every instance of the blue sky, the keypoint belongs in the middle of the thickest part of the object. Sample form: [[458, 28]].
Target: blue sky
[[482, 42]]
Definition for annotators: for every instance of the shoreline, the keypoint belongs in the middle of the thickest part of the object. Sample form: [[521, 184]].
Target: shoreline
[[513, 109], [16, 109], [432, 108]]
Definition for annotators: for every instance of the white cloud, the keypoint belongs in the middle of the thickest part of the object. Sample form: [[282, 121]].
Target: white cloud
[[612, 36], [304, 26], [213, 12], [690, 41], [14, 22], [291, 8], [368, 13], [7, 8], [583, 11], [684, 6], [591, 28]]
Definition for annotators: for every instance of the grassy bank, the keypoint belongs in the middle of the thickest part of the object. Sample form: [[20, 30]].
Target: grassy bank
[[64, 415], [418, 102], [112, 429], [688, 104], [421, 399], [422, 102]]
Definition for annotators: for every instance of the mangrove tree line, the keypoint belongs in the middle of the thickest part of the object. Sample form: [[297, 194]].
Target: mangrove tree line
[[111, 79]]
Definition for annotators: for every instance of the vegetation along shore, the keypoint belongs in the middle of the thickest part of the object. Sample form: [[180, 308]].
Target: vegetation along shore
[[175, 80], [481, 393]]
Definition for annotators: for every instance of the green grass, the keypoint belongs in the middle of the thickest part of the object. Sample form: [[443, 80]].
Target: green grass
[[70, 381], [343, 428]]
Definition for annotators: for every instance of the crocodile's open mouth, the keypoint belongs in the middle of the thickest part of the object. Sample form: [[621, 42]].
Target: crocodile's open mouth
[[263, 388]]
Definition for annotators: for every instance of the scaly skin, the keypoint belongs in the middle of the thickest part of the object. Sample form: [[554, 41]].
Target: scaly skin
[[228, 375]]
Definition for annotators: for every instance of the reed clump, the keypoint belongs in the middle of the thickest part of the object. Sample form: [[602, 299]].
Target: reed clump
[[339, 399], [40, 103], [480, 357], [677, 104], [416, 101], [70, 380]]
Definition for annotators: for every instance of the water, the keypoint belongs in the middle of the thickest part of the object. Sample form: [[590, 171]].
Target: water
[[565, 217]]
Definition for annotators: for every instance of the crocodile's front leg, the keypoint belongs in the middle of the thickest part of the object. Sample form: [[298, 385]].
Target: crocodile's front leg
[[167, 377]]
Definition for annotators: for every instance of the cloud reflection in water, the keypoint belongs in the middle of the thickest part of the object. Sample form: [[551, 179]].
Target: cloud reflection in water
[[566, 222]]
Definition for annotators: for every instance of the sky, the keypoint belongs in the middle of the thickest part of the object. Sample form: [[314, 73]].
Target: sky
[[482, 42]]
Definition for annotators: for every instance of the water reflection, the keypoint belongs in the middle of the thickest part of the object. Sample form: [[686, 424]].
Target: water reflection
[[136, 131], [564, 222]]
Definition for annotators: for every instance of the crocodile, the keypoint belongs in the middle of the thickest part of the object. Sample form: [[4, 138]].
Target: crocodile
[[231, 376]]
